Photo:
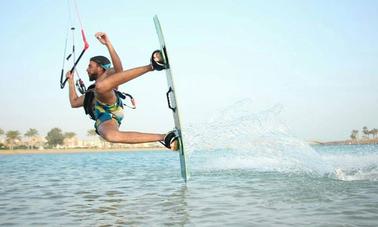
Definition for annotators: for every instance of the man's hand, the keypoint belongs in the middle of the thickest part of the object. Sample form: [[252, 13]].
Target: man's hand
[[103, 38], [69, 75]]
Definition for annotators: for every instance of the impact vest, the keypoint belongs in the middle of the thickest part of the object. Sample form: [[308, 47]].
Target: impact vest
[[88, 102]]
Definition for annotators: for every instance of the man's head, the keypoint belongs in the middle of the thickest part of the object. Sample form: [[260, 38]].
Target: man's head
[[97, 66]]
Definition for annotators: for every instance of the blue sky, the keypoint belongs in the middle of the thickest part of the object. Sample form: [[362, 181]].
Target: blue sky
[[318, 59]]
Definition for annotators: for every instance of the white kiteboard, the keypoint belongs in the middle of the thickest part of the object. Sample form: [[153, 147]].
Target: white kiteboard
[[172, 102]]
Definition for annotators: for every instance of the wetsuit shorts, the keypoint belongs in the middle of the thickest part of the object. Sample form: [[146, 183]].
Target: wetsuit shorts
[[105, 112]]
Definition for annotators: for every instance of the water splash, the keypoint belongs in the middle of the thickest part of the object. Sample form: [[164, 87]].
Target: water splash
[[353, 163], [241, 138], [368, 173]]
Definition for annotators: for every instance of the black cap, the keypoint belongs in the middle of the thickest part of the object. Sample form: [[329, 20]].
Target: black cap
[[102, 61]]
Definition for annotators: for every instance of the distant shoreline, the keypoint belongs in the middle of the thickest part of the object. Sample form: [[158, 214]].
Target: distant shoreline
[[76, 150], [97, 150], [347, 142]]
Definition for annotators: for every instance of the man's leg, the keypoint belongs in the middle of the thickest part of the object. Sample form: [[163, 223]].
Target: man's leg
[[110, 82], [110, 132]]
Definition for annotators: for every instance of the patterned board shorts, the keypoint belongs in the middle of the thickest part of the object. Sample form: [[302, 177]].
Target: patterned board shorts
[[105, 112]]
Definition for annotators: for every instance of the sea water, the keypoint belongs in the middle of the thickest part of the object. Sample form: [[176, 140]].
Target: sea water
[[246, 170]]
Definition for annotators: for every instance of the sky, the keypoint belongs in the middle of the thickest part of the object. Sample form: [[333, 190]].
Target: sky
[[315, 58]]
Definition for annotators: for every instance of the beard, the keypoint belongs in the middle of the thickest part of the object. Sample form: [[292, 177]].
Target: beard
[[92, 77]]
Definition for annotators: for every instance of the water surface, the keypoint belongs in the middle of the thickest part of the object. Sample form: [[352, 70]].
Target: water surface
[[144, 188]]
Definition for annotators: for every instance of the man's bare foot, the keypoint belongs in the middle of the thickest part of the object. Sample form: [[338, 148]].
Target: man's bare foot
[[157, 61], [171, 140], [158, 57], [175, 145]]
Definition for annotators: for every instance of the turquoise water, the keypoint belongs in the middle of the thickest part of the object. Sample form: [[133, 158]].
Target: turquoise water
[[227, 188]]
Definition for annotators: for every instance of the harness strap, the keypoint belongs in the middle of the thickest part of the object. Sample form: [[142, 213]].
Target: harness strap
[[90, 95]]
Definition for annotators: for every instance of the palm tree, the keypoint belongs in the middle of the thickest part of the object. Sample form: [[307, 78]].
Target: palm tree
[[55, 137], [354, 135], [12, 137], [374, 132], [69, 135], [1, 132], [31, 133], [92, 132], [366, 131], [1, 141], [69, 139]]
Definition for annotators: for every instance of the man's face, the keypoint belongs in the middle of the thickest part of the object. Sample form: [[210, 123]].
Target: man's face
[[94, 70]]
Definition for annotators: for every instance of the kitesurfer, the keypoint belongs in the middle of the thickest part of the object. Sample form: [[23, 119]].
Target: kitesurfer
[[103, 102]]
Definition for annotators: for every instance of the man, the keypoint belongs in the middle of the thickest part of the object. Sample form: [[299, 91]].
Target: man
[[107, 105]]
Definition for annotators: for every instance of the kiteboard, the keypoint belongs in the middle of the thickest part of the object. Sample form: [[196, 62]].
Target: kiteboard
[[172, 102]]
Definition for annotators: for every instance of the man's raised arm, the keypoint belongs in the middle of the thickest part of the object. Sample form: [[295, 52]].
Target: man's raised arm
[[104, 39]]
